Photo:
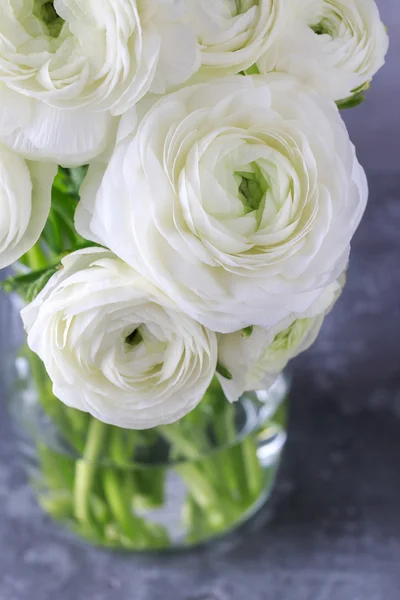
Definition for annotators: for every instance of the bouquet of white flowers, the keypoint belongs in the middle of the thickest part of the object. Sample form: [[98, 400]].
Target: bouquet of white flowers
[[178, 195]]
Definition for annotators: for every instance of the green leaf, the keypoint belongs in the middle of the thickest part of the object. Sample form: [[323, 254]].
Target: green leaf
[[357, 97], [77, 176], [351, 102], [59, 235], [69, 181], [221, 370], [29, 285]]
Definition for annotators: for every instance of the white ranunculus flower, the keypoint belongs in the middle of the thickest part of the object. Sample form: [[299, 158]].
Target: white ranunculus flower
[[68, 66], [238, 198], [25, 199], [116, 347], [336, 46], [233, 34], [253, 360]]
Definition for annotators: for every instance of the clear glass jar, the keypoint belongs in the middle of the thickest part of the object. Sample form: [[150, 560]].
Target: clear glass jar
[[172, 486]]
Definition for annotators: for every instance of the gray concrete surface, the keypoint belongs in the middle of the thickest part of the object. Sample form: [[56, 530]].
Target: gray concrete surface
[[334, 531], [374, 126]]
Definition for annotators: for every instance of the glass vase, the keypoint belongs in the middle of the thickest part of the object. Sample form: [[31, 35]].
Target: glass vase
[[172, 486]]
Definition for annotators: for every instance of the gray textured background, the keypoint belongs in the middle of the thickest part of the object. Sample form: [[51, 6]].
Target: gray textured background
[[374, 126], [335, 531]]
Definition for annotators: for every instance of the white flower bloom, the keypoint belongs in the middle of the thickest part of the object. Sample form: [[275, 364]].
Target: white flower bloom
[[253, 361], [233, 34], [25, 199], [116, 347], [238, 198], [68, 66], [336, 46]]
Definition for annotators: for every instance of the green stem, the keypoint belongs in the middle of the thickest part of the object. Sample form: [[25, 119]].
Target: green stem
[[251, 466], [122, 446], [65, 419], [119, 492], [85, 469], [228, 459], [218, 482], [179, 441], [78, 420], [120, 509], [204, 493], [36, 258]]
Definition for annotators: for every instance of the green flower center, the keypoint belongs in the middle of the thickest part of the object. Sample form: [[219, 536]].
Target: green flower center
[[242, 6], [331, 19], [290, 337], [45, 11], [252, 187], [134, 338], [324, 27]]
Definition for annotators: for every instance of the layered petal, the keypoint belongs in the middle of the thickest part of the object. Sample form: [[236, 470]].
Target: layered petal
[[68, 67], [234, 34], [25, 199], [237, 198], [335, 46], [41, 132], [254, 359], [115, 346]]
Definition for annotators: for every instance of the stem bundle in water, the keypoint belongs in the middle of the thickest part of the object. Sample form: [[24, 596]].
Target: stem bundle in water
[[175, 485]]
